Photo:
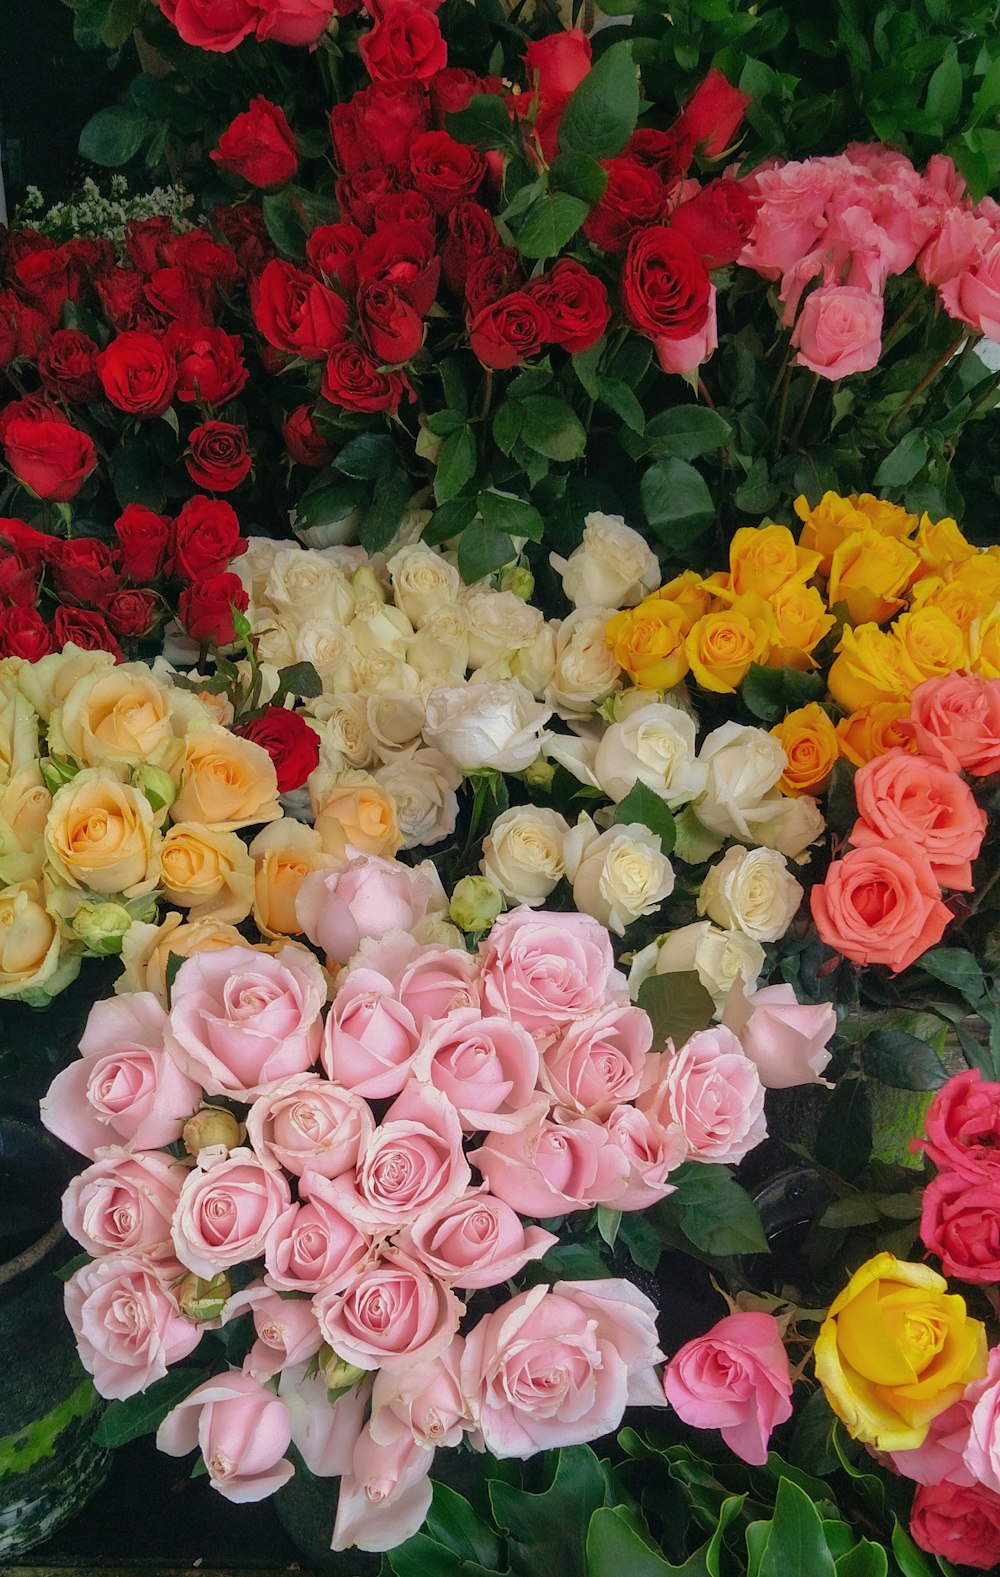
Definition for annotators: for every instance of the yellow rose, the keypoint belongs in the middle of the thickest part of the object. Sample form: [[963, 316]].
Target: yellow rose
[[48, 682], [986, 647], [24, 807], [648, 642], [284, 855], [891, 520], [809, 740], [207, 872], [146, 950], [722, 645], [932, 642], [354, 806], [764, 558], [872, 730], [942, 546], [689, 592], [800, 623], [225, 782], [960, 600], [827, 524], [29, 941], [871, 665], [869, 572], [100, 834], [895, 1350], [120, 714]]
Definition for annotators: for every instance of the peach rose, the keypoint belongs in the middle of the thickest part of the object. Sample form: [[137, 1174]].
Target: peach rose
[[120, 714], [49, 681], [358, 808], [146, 950], [25, 803], [101, 835], [881, 905], [225, 782], [284, 854], [957, 722], [839, 331], [29, 943], [208, 873]]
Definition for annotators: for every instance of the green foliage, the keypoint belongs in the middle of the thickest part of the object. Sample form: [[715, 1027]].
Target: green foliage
[[142, 1414], [678, 1006]]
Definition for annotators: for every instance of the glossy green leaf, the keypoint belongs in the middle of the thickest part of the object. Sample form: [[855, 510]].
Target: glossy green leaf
[[552, 428], [686, 431], [456, 464], [642, 805], [678, 1006], [484, 123], [482, 550], [903, 462], [677, 503], [602, 111], [513, 515], [381, 519], [719, 1216], [902, 1060], [796, 1546], [579, 175], [366, 456], [142, 1414], [547, 1531], [114, 135], [551, 221]]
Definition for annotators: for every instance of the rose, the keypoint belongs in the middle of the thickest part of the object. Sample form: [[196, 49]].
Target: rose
[[753, 891], [651, 1153], [286, 1330], [30, 949], [557, 64], [354, 378], [315, 1246], [471, 235], [444, 170], [413, 1161], [981, 1449], [963, 1127], [523, 853], [811, 744], [633, 198], [422, 581], [734, 1378], [473, 1241], [558, 1368], [305, 445], [681, 355], [744, 764], [403, 254], [295, 21], [242, 1428], [881, 905], [206, 608], [576, 304], [127, 1323], [485, 1068], [597, 1063], [296, 312], [423, 1403], [217, 456], [50, 458], [117, 715], [957, 722], [66, 366], [648, 642], [839, 331], [137, 374], [430, 981], [551, 1168], [210, 366], [306, 1124], [960, 1223], [491, 279], [101, 835], [83, 570], [384, 1495], [366, 897], [717, 221], [713, 1093], [80, 627], [392, 1312], [225, 782], [24, 807], [284, 853], [422, 785], [404, 45], [291, 743], [960, 1522], [618, 875], [369, 1038], [546, 970], [654, 745], [143, 540], [356, 809], [785, 1039], [376, 127], [393, 330], [208, 25], [243, 1021], [124, 1202], [722, 645], [224, 1213], [258, 146], [910, 798], [482, 726], [895, 1350], [612, 568], [208, 873], [500, 624], [973, 294], [712, 115], [131, 612], [206, 537], [505, 332], [664, 284], [303, 585]]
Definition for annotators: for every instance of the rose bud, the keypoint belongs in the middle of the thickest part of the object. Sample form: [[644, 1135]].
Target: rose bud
[[338, 1374], [101, 927], [475, 903], [259, 146], [203, 1300], [208, 1127], [158, 786]]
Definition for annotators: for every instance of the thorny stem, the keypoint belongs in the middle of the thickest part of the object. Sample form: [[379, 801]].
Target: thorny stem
[[928, 377]]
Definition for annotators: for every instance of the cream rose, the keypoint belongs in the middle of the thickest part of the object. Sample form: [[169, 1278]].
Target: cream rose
[[29, 944], [101, 835], [49, 681], [379, 629], [382, 674], [25, 803], [304, 584], [284, 854], [422, 582], [523, 853], [146, 950], [743, 767], [209, 873], [481, 726], [617, 875], [584, 673], [535, 665], [500, 625], [394, 721], [225, 782], [330, 649], [18, 728], [753, 891], [654, 745], [344, 736], [717, 957], [612, 568], [117, 716], [421, 785]]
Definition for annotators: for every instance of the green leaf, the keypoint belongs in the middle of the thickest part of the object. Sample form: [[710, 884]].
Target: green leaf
[[456, 464], [452, 1521], [678, 1005], [300, 680], [551, 221], [902, 1060], [902, 463], [114, 135], [381, 519], [422, 1554], [585, 364], [284, 225], [944, 92], [796, 1546], [484, 123], [686, 432], [957, 968], [603, 109], [579, 175], [864, 1560], [141, 1415], [552, 428], [449, 520], [639, 1237], [642, 805], [844, 1139], [719, 1216], [677, 502], [513, 515], [65, 1272], [482, 550], [444, 422], [367, 456], [547, 1531], [616, 1547], [911, 1560], [618, 396], [325, 502], [89, 22], [771, 692], [508, 423], [608, 1222]]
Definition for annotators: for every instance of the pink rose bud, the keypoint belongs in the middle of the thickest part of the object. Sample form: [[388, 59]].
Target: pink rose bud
[[286, 1329], [385, 1496], [735, 1379], [785, 1039], [473, 1241], [243, 1431]]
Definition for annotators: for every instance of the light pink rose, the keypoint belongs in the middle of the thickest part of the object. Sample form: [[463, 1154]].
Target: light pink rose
[[941, 1457], [957, 245], [552, 1168], [545, 970], [596, 1064], [956, 722], [791, 217], [652, 1153], [124, 1089], [224, 1213], [392, 1312], [839, 331], [307, 1124], [369, 1038], [421, 1401], [367, 897], [242, 1021], [127, 1323], [795, 279], [713, 1093], [430, 980], [124, 1202], [558, 1368], [385, 1496], [243, 1431], [973, 296], [485, 1067], [323, 1432], [682, 356], [785, 1039], [413, 1162], [314, 1245], [287, 1332], [982, 1451], [293, 21], [473, 1241], [735, 1379]]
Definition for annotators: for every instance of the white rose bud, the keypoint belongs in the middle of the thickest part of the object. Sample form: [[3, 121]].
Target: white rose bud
[[496, 726], [101, 927], [654, 746], [612, 568], [523, 853], [717, 957], [422, 581], [585, 672], [518, 579], [618, 875], [753, 891]]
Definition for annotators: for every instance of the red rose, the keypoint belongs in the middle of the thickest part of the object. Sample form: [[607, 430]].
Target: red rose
[[18, 576], [219, 25], [669, 153], [354, 380], [333, 249], [493, 276], [404, 256], [296, 312], [122, 294], [146, 241], [84, 628], [378, 125], [182, 294], [359, 195], [452, 89], [131, 613], [713, 114], [84, 570], [404, 44], [508, 331], [24, 633], [664, 285], [960, 1223], [292, 745], [33, 408], [8, 326], [210, 366], [143, 540], [404, 208], [445, 171], [91, 255], [633, 198], [200, 254], [137, 374], [304, 444], [472, 234], [206, 608], [960, 1522], [32, 547], [51, 459], [293, 21], [393, 331], [218, 457], [66, 366], [22, 328], [243, 226], [558, 63], [46, 280], [717, 221], [576, 303], [206, 538], [258, 146]]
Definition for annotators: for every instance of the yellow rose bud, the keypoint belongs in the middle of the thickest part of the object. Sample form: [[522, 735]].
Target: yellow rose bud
[[225, 782], [359, 810], [872, 730], [800, 622], [101, 834], [895, 1350], [648, 642], [723, 644], [809, 740], [690, 593], [209, 1127], [764, 558], [203, 1300], [931, 642], [101, 927], [209, 873], [869, 572], [871, 665], [475, 903], [57, 771]]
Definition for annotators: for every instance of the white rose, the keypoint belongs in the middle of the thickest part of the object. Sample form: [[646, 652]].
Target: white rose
[[379, 673], [789, 825], [618, 875], [18, 728], [495, 726], [535, 665], [378, 627], [422, 581], [753, 891], [623, 703], [423, 786], [440, 649], [717, 957], [585, 672], [500, 624], [523, 853], [254, 566], [304, 584], [395, 721], [612, 568], [576, 753], [744, 764], [274, 643], [654, 746], [344, 736], [330, 649]]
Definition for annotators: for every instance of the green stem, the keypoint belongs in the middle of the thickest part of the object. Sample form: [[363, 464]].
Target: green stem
[[779, 431], [800, 423], [928, 378], [900, 323]]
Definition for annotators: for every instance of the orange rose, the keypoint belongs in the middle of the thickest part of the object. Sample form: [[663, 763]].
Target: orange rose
[[809, 740], [284, 854], [722, 645], [881, 905], [357, 808], [872, 730]]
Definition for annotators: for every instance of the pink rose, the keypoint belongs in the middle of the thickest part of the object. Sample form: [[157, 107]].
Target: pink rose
[[956, 722], [682, 356], [942, 1454], [392, 1311], [124, 1202], [552, 1168], [241, 1021], [127, 1323], [370, 1038], [323, 1432], [473, 1241], [124, 1089], [735, 1379], [286, 1329], [429, 980], [385, 1496], [596, 1064], [713, 1093], [293, 21], [558, 1368], [904, 796], [791, 217], [785, 1039], [545, 970], [243, 1431], [421, 1402], [314, 1245], [307, 1124], [982, 1449], [963, 1127], [962, 1524], [224, 1214], [957, 245], [960, 1223], [485, 1067], [651, 1152], [973, 296], [367, 897], [413, 1162], [839, 331]]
